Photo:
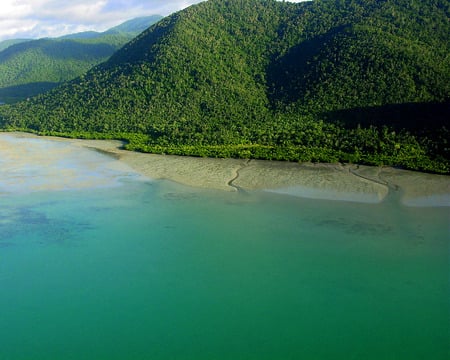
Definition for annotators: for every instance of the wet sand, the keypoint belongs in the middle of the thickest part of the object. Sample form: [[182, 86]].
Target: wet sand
[[344, 182]]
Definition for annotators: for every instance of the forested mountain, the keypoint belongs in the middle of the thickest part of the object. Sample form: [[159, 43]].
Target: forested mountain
[[326, 80], [7, 43], [130, 27], [30, 67], [136, 25]]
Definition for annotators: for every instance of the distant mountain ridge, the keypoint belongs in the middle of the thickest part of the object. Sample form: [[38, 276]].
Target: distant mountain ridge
[[7, 43], [135, 26], [272, 80], [29, 67]]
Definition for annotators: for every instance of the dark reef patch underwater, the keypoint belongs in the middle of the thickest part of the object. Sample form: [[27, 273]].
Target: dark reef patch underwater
[[152, 269]]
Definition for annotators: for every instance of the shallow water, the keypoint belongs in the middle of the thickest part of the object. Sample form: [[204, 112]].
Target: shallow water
[[153, 270], [33, 164]]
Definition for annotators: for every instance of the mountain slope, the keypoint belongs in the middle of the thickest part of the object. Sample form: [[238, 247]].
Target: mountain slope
[[136, 25], [269, 79], [7, 43], [44, 63]]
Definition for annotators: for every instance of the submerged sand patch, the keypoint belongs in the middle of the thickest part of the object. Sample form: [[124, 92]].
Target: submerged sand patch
[[419, 189], [321, 181], [29, 163], [318, 181]]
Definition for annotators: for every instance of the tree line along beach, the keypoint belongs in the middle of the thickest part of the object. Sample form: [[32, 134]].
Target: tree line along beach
[[338, 181]]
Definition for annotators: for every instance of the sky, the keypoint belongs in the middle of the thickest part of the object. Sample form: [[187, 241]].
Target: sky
[[32, 19]]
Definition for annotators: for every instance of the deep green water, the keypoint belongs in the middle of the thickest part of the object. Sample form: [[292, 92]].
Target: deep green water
[[153, 270]]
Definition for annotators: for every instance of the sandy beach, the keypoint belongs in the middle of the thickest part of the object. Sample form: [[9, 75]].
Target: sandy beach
[[345, 182]]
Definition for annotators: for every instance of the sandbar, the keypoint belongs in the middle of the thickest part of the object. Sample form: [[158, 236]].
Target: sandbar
[[343, 182]]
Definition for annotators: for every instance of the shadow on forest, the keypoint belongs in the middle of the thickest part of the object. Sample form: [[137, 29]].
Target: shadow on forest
[[60, 49], [16, 93], [285, 75], [415, 117]]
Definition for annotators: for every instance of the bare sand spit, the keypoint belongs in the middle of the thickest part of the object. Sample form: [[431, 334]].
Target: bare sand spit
[[322, 181]]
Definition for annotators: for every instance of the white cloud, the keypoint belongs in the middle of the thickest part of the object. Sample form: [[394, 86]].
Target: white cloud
[[51, 18], [42, 18]]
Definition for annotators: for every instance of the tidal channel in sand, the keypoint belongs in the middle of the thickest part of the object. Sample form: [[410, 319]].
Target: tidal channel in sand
[[57, 166], [118, 268]]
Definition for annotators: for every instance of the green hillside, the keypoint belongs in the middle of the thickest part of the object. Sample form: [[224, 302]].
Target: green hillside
[[136, 25], [352, 80], [28, 68], [7, 43]]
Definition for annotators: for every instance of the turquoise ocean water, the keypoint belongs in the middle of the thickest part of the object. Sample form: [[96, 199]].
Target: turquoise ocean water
[[154, 270]]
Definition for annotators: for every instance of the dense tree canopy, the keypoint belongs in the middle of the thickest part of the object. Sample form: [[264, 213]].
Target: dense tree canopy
[[30, 67], [325, 80]]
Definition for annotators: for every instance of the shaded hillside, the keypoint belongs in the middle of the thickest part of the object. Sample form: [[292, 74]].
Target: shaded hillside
[[136, 25], [7, 43], [262, 79], [29, 63]]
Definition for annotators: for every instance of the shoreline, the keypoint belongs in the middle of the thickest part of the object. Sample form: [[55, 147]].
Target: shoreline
[[342, 182]]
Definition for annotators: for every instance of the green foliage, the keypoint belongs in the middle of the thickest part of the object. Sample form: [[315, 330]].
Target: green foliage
[[7, 43], [13, 94], [28, 64], [310, 81]]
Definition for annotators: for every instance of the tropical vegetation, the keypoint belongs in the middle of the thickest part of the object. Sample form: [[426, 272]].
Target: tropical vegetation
[[30, 67], [363, 81]]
